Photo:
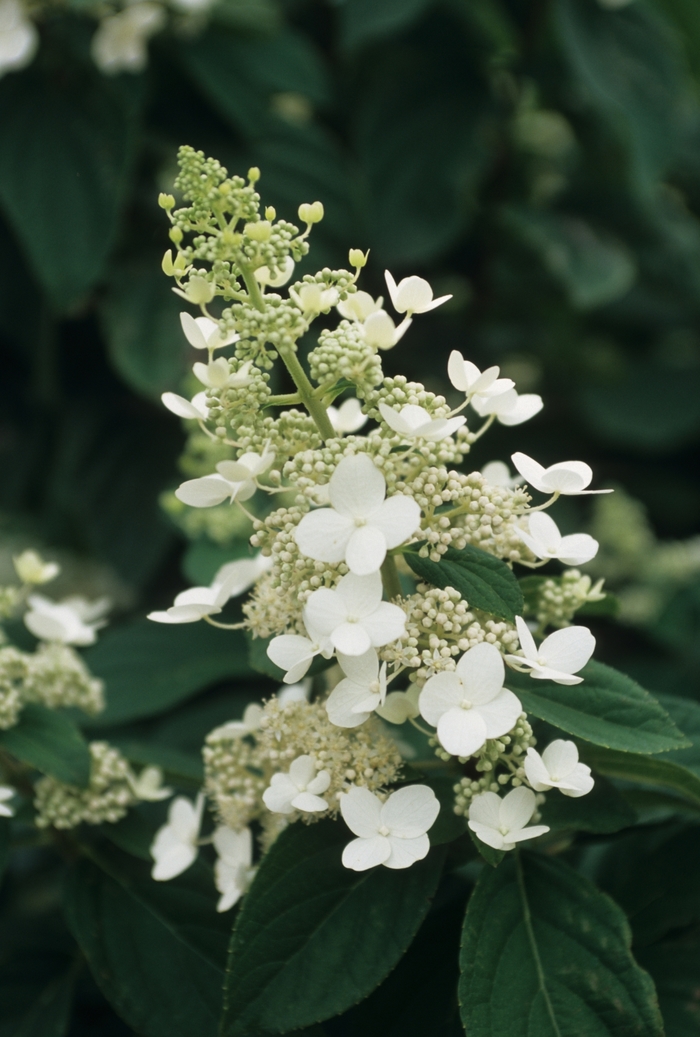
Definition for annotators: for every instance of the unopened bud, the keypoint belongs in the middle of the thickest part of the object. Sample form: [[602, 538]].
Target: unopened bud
[[167, 264], [270, 212], [198, 290], [166, 201], [311, 212], [260, 231], [175, 235], [253, 174], [358, 258]]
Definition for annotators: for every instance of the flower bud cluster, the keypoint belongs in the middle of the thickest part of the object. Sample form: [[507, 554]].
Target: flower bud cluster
[[504, 755], [54, 675], [234, 405], [264, 332], [106, 799], [290, 433], [556, 600], [345, 353]]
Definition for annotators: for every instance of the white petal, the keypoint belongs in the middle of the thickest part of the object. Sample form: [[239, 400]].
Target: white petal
[[46, 628], [309, 803], [405, 852], [560, 758], [172, 860], [577, 549], [279, 794], [482, 672], [205, 492], [567, 477], [293, 653], [225, 879], [501, 714], [361, 854], [359, 594], [536, 772], [391, 285], [410, 811], [459, 369], [527, 833], [204, 596], [395, 421], [236, 848], [320, 783], [578, 783], [491, 836], [363, 669], [361, 811], [324, 611], [485, 809], [357, 487], [398, 518], [441, 693], [302, 771], [386, 624], [398, 707], [525, 408], [324, 535], [517, 808], [461, 731], [193, 332], [546, 673], [366, 550], [568, 650], [351, 639], [545, 530], [183, 614], [185, 817], [531, 471], [527, 641], [180, 406]]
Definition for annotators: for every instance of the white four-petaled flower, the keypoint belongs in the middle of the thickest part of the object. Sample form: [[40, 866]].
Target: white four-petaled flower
[[73, 621], [393, 833], [196, 409], [360, 692], [359, 306], [299, 789], [314, 298], [567, 477], [175, 846], [474, 383], [510, 408], [412, 295], [217, 374], [558, 768], [501, 823], [560, 656], [361, 525], [204, 333], [470, 704], [235, 480], [233, 871], [545, 541], [295, 653], [353, 616], [348, 417], [414, 422], [149, 786]]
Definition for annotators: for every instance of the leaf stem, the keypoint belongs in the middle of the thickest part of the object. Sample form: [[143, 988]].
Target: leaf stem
[[390, 577], [306, 391]]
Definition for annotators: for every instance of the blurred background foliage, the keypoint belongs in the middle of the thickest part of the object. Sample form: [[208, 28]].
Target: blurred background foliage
[[539, 159]]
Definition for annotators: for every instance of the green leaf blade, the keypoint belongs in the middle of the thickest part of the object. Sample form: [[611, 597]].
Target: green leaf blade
[[544, 954], [483, 580], [48, 740], [303, 921]]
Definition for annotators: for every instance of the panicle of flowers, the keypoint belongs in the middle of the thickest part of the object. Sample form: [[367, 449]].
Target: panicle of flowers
[[335, 542]]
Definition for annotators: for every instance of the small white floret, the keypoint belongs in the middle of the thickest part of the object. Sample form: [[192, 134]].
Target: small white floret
[[360, 692], [175, 846], [196, 409], [475, 384], [558, 768], [6, 793], [299, 789], [233, 871], [353, 616], [232, 579], [31, 568], [19, 39], [203, 333], [233, 481], [348, 417], [545, 541], [73, 621], [509, 408], [501, 823], [149, 785], [119, 45], [414, 422], [412, 295], [567, 477], [560, 656], [393, 833]]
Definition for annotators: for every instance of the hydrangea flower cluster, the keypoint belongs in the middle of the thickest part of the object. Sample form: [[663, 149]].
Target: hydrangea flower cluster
[[372, 487]]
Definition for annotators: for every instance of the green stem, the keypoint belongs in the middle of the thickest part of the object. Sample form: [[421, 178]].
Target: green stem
[[306, 391], [390, 577], [286, 400], [253, 288]]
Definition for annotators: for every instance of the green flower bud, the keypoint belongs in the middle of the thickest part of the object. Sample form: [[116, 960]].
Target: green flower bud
[[358, 258], [253, 174], [270, 212], [175, 235], [167, 264], [311, 212], [166, 201]]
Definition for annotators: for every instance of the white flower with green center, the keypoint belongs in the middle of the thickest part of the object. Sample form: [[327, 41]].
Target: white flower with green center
[[234, 480], [233, 871], [359, 306], [149, 785], [196, 409], [501, 823], [175, 846], [567, 477], [560, 656], [295, 653], [361, 525], [73, 621], [360, 692], [19, 38], [475, 384], [393, 833], [509, 408], [470, 704], [314, 298], [414, 422], [353, 616], [299, 789], [204, 333], [412, 295], [218, 375], [348, 417], [558, 768], [545, 541], [119, 45]]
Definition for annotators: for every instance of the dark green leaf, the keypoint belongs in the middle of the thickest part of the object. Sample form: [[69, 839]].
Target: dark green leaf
[[674, 965], [545, 954], [139, 314], [484, 581], [608, 709], [491, 856], [64, 166], [649, 770], [156, 950], [203, 559], [49, 1015], [364, 20], [604, 810], [305, 919], [148, 666], [49, 741], [629, 68]]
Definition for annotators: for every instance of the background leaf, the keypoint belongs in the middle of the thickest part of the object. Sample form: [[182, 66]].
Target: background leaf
[[544, 953], [313, 937], [49, 741]]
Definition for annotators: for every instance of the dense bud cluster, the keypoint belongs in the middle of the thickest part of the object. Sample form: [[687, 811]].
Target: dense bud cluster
[[107, 797]]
